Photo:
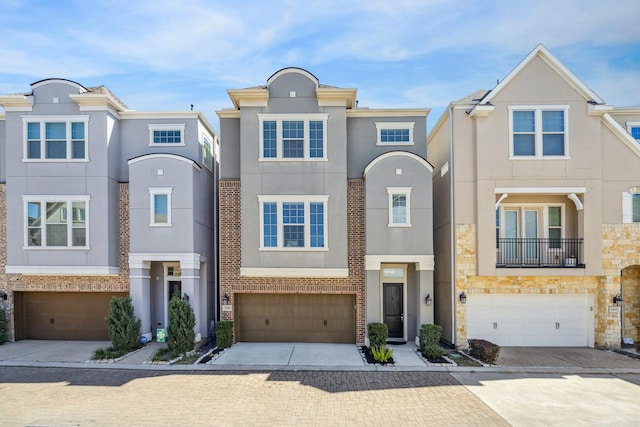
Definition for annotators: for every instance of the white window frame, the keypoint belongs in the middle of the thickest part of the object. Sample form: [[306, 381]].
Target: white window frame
[[538, 109], [160, 127], [307, 200], [627, 205], [43, 200], [43, 144], [156, 191], [632, 125], [306, 118], [406, 191], [543, 219], [392, 126]]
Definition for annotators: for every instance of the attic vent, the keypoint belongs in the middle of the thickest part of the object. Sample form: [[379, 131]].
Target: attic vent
[[292, 94]]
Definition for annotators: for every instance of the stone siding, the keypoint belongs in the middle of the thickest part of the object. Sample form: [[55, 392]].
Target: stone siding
[[621, 249], [230, 252]]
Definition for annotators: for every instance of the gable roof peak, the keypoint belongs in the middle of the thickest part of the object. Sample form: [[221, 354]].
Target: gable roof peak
[[540, 51]]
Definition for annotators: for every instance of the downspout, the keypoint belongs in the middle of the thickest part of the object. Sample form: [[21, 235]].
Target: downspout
[[453, 230]]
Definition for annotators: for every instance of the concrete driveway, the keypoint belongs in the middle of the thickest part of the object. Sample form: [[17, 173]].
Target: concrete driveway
[[564, 357]]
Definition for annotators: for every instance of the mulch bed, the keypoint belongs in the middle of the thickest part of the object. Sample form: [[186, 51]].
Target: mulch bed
[[366, 352]]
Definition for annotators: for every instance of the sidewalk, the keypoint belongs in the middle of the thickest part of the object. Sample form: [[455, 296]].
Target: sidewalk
[[304, 356]]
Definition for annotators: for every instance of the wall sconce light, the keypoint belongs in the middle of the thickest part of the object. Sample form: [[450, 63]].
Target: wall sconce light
[[463, 298], [617, 300], [428, 299], [225, 299], [3, 295]]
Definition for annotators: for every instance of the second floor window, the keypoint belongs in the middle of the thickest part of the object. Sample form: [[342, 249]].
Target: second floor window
[[56, 138], [538, 132], [395, 133], [160, 207], [48, 223], [293, 137], [293, 222], [399, 206]]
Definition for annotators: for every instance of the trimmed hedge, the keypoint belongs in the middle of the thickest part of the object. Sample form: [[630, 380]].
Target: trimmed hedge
[[483, 350], [429, 341], [3, 326], [378, 334], [224, 333]]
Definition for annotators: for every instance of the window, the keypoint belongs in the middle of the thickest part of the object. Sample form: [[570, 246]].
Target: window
[[555, 226], [635, 208], [293, 222], [55, 138], [631, 205], [166, 134], [395, 133], [207, 152], [399, 206], [538, 131], [531, 221], [48, 223], [293, 137], [160, 199], [634, 129]]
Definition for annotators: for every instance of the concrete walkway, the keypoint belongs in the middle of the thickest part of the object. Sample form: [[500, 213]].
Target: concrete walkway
[[304, 356]]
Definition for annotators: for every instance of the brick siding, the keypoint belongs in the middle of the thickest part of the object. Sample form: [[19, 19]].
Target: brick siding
[[230, 252]]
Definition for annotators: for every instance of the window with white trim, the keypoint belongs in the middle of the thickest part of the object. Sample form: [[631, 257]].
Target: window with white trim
[[55, 138], [538, 131], [399, 206], [160, 207], [207, 152], [634, 129], [293, 222], [48, 223], [631, 206], [166, 134], [293, 137], [395, 133]]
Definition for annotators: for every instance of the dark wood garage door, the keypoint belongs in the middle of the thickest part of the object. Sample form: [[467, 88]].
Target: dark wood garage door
[[62, 315], [295, 318]]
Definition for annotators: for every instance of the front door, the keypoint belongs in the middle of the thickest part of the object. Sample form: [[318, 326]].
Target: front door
[[175, 289], [392, 309]]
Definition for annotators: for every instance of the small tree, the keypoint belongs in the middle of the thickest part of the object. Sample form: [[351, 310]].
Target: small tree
[[181, 336], [124, 328], [3, 326]]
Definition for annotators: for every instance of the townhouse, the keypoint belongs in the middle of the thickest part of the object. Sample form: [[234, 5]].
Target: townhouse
[[325, 214], [97, 200], [537, 213]]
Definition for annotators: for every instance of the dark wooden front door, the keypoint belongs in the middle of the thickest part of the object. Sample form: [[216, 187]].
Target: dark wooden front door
[[392, 309], [175, 289]]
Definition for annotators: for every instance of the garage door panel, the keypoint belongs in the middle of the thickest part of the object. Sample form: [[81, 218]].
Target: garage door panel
[[62, 315], [295, 317], [531, 320]]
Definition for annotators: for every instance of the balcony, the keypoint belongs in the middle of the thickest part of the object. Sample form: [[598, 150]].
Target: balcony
[[539, 253]]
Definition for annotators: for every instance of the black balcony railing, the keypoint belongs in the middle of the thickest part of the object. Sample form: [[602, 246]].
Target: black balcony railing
[[534, 252]]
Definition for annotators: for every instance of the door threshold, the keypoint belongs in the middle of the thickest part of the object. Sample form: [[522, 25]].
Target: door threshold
[[396, 341]]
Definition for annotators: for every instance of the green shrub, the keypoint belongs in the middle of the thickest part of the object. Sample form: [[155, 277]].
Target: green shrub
[[483, 350], [381, 353], [433, 351], [224, 333], [429, 337], [3, 326], [378, 334], [108, 353], [124, 328], [181, 336]]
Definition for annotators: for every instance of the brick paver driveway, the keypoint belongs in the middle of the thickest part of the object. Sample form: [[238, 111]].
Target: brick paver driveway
[[61, 396]]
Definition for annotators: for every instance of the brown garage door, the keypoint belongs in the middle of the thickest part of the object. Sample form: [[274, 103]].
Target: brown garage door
[[295, 318], [62, 315]]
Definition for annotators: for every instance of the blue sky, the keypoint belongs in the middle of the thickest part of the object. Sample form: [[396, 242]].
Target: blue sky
[[165, 55]]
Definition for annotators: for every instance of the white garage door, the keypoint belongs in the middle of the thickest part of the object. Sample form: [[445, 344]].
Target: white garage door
[[531, 320]]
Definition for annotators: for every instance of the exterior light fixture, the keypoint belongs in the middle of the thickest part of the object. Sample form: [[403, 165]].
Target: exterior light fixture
[[617, 300], [463, 298], [428, 299], [225, 299], [3, 295]]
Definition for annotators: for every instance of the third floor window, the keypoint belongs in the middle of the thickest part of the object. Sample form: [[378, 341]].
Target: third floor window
[[293, 137], [55, 138], [538, 131]]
